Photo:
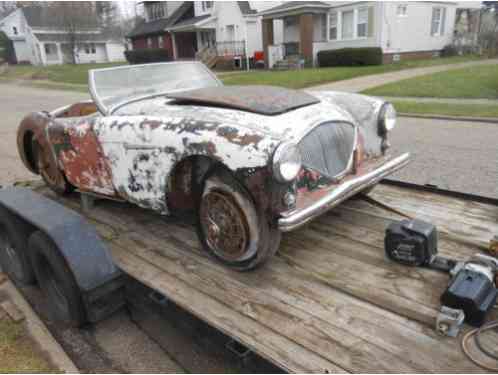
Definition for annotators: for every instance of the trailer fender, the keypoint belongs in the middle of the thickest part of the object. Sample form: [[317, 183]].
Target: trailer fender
[[78, 242]]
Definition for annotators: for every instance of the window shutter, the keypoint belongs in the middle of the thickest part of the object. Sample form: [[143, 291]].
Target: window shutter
[[443, 20], [370, 21]]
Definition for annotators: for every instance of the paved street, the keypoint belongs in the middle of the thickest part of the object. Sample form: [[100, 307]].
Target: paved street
[[454, 155], [451, 154]]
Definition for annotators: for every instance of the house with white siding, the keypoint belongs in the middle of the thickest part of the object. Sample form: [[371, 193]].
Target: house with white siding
[[39, 38], [403, 30]]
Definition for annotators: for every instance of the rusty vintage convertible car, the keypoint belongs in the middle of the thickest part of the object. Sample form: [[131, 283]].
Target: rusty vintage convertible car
[[249, 162]]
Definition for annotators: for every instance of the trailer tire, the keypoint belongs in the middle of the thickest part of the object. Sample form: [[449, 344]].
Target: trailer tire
[[56, 280], [14, 233]]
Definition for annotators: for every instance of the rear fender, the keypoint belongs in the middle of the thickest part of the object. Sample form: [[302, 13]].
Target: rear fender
[[33, 128]]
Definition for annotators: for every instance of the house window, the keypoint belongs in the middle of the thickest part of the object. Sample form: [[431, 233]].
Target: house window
[[333, 26], [14, 30], [362, 26], [149, 42], [157, 10], [323, 26], [93, 49], [401, 10], [160, 41], [347, 29], [90, 48], [206, 5], [87, 49], [438, 21]]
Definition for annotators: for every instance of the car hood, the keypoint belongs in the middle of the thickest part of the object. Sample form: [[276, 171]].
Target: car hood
[[290, 125]]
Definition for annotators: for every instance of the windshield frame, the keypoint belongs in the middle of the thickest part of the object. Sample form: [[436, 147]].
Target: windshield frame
[[106, 111]]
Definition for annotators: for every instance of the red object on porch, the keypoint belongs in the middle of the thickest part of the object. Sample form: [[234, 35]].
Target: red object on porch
[[259, 56]]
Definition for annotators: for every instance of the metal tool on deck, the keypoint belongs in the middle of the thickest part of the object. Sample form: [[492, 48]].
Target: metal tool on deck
[[471, 292]]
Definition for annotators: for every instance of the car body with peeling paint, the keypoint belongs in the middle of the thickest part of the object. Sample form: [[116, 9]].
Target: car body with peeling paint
[[249, 161]]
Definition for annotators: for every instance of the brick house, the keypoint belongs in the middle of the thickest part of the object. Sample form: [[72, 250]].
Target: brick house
[[221, 33]]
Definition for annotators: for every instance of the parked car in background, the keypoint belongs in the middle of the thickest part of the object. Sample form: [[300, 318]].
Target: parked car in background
[[249, 161]]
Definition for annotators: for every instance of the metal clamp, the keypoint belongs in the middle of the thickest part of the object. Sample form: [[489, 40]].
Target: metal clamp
[[449, 321]]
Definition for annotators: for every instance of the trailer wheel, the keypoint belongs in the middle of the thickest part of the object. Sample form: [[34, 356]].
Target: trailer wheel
[[56, 280], [14, 260]]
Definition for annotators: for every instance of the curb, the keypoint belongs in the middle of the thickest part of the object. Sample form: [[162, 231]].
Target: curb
[[38, 331], [489, 120]]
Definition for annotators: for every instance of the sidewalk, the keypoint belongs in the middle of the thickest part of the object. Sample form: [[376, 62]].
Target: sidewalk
[[363, 83]]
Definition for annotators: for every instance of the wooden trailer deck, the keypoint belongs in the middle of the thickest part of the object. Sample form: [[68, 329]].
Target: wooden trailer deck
[[329, 301]]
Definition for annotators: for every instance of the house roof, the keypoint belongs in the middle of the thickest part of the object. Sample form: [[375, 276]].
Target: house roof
[[157, 26], [65, 37], [46, 16], [245, 8], [152, 27], [296, 5], [190, 22]]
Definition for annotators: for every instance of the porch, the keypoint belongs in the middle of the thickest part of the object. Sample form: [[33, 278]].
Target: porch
[[197, 38], [303, 25], [310, 27]]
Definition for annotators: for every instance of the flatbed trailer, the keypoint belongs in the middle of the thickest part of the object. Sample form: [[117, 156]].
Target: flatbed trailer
[[329, 301]]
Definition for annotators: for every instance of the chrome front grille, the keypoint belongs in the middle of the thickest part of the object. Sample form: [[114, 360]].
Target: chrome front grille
[[328, 148]]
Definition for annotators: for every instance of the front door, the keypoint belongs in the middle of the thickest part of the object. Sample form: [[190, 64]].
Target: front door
[[186, 45]]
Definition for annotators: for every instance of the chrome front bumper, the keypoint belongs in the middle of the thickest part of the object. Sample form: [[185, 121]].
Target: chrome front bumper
[[295, 219]]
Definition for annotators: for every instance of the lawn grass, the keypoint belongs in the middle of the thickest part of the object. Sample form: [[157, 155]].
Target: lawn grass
[[78, 74], [471, 82], [17, 352], [447, 109], [310, 77], [67, 73]]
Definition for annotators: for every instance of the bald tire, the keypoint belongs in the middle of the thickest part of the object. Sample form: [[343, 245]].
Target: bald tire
[[14, 233], [56, 281], [268, 238]]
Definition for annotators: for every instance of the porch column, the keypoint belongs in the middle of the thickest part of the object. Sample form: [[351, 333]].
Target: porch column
[[173, 42], [59, 53], [306, 37], [267, 38]]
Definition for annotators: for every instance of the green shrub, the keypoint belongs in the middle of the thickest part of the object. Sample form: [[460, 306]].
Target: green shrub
[[4, 44], [449, 50], [149, 55], [350, 57]]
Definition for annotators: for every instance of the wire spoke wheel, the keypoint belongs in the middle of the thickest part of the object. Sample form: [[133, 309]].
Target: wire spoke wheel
[[45, 169], [224, 226]]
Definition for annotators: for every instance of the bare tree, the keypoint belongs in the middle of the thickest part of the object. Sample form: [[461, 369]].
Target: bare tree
[[74, 18], [6, 7], [108, 13]]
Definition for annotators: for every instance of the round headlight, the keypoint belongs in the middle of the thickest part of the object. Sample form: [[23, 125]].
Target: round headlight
[[387, 118], [286, 162]]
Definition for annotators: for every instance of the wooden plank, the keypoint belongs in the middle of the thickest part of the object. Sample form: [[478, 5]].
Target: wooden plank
[[317, 335], [291, 297], [469, 221], [276, 348], [257, 295]]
